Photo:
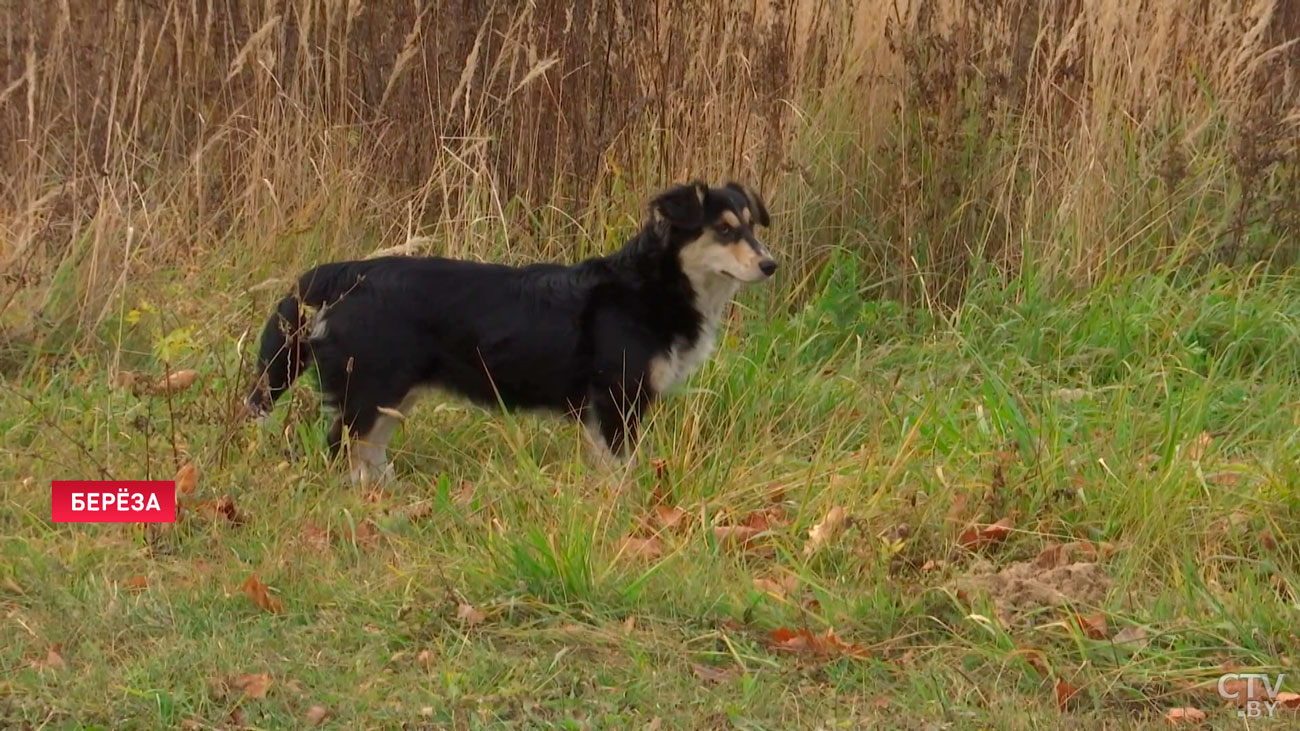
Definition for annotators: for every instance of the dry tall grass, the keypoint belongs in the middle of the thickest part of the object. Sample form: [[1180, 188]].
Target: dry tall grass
[[1077, 136]]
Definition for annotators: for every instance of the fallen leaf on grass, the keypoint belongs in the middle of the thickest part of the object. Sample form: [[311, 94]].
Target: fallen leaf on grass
[[365, 535], [1065, 692], [1196, 450], [425, 658], [469, 616], [252, 686], [977, 536], [316, 715], [176, 382], [1037, 661], [648, 548], [825, 531], [1267, 540], [1064, 554], [713, 673], [237, 717], [137, 583], [881, 702], [1134, 635], [261, 596], [1190, 716], [1093, 625], [222, 508], [1289, 701], [187, 478], [316, 537], [779, 587], [804, 641], [53, 660], [667, 517], [735, 535], [464, 495]]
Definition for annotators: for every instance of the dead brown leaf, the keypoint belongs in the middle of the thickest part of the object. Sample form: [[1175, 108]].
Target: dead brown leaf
[[778, 587], [137, 583], [825, 531], [469, 616], [1064, 554], [1065, 693], [957, 508], [252, 686], [365, 535], [1289, 701], [804, 641], [667, 517], [176, 381], [1196, 450], [464, 495], [735, 535], [261, 596], [316, 537], [1267, 540], [187, 478], [425, 658], [53, 660], [1037, 661], [1093, 625], [645, 548], [881, 702], [237, 717], [222, 508], [978, 536], [1188, 715], [316, 715], [1134, 635], [713, 673]]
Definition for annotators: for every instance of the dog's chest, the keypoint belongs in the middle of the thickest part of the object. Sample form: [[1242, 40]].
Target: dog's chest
[[685, 356], [682, 359]]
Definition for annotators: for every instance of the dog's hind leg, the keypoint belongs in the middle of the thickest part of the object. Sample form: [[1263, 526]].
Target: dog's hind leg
[[368, 452], [372, 427]]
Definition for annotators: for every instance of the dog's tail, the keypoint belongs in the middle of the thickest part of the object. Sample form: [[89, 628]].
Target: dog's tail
[[284, 351]]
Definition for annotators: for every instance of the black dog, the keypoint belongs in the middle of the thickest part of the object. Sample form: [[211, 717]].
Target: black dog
[[599, 339]]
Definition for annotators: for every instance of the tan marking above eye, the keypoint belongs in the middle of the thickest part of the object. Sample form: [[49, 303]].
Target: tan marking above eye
[[730, 219], [744, 213]]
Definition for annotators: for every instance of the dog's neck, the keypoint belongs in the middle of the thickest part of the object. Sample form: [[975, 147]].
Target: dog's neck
[[713, 292], [647, 252]]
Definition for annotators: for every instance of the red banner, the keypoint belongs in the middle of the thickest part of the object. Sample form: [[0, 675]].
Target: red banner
[[113, 501]]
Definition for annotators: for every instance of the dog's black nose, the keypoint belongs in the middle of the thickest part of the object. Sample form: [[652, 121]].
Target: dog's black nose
[[767, 266]]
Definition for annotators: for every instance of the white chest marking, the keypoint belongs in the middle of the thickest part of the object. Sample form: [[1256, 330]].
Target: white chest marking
[[685, 357]]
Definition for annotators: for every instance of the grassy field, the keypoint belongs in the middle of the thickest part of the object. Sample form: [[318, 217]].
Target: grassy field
[[504, 582], [1011, 441]]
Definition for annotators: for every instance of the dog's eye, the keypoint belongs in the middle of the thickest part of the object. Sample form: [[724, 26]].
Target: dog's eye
[[724, 229]]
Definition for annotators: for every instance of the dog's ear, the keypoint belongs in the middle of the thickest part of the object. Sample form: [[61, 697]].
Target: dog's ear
[[682, 206], [756, 204]]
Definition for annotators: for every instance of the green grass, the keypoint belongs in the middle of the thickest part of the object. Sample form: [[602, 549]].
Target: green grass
[[1079, 416]]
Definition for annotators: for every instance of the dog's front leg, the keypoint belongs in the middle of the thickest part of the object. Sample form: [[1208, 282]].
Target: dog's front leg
[[611, 422]]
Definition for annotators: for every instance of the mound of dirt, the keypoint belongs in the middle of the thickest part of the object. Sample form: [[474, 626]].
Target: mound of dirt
[[1024, 587]]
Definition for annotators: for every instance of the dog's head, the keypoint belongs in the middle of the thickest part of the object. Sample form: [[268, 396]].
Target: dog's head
[[715, 230]]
